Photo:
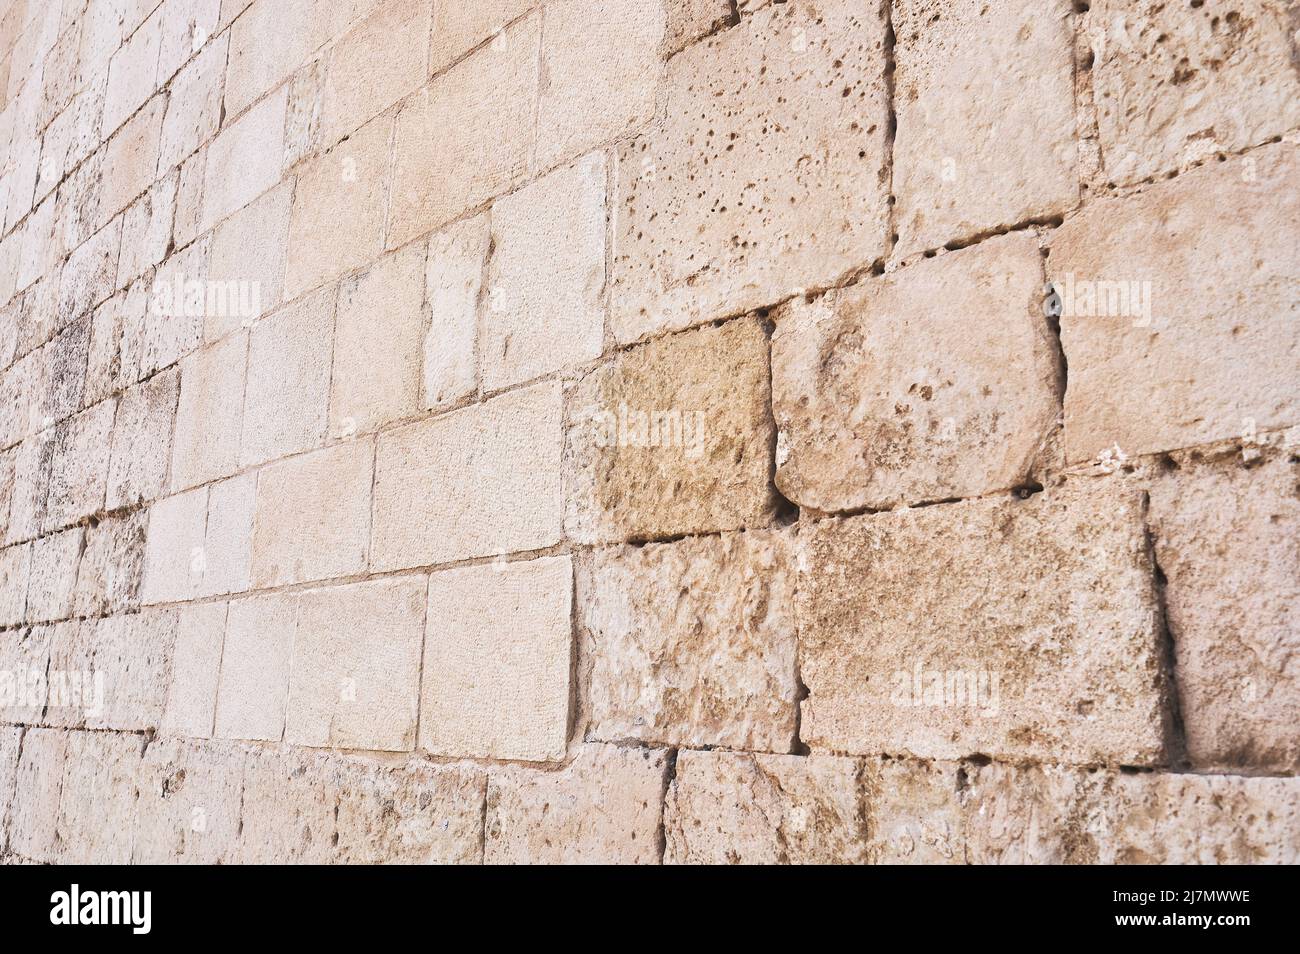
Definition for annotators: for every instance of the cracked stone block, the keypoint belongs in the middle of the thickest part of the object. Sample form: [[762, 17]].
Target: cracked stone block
[[986, 124], [228, 537], [479, 481], [286, 395], [454, 277], [253, 689], [376, 375], [246, 157], [1145, 282], [691, 643], [247, 262], [603, 808], [689, 20], [79, 469], [1024, 629], [355, 680], [53, 575], [133, 652], [545, 305], [175, 560], [1175, 85], [142, 441], [195, 670], [209, 413], [765, 175], [672, 437], [497, 660], [191, 796], [1226, 538], [473, 123], [885, 393], [738, 808], [312, 519]]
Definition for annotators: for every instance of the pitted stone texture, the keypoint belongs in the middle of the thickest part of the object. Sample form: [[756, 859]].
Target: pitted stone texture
[[453, 283], [111, 568], [546, 283], [1020, 629], [935, 381], [15, 569], [313, 516], [497, 660], [986, 125], [603, 808], [692, 643], [290, 798], [53, 575], [142, 441], [688, 20], [473, 123], [480, 481], [1214, 351], [378, 332], [209, 415], [1228, 541], [672, 437], [97, 804], [195, 671], [737, 808], [1174, 86], [919, 815], [766, 174], [355, 680], [79, 468], [602, 65], [190, 803], [255, 662], [133, 651]]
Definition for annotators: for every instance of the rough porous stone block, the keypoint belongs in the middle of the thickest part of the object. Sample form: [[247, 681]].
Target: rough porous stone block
[[737, 808], [691, 643], [603, 808], [111, 568], [191, 803], [97, 804], [1018, 629], [1146, 281], [290, 798], [142, 441], [133, 652], [53, 575], [497, 660], [886, 394], [34, 815], [79, 468], [707, 223], [672, 437]]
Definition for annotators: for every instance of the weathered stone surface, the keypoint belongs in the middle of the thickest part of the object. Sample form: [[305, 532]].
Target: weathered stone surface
[[142, 441], [736, 808], [228, 539], [10, 746], [378, 334], [356, 666], [111, 568], [248, 260], [205, 445], [193, 104], [246, 157], [79, 468], [195, 670], [474, 123], [133, 652], [190, 803], [886, 394], [1174, 85], [132, 74], [672, 437], [481, 481], [147, 230], [131, 161], [688, 20], [691, 643], [453, 283], [1019, 629], [1226, 538], [706, 226], [289, 804], [1148, 280], [460, 27], [546, 279], [497, 661], [53, 575], [174, 559], [258, 63], [313, 516], [603, 808], [286, 396], [255, 661], [15, 568], [985, 101], [97, 803], [34, 816]]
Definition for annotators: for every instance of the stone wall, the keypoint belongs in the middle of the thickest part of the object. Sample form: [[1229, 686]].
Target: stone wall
[[649, 431]]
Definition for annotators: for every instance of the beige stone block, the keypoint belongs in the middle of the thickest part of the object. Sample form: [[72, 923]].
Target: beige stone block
[[131, 158], [147, 230], [672, 437], [1226, 538], [133, 652], [1174, 85], [88, 276], [10, 749], [191, 800], [453, 283], [603, 808], [546, 277], [922, 813], [497, 661], [186, 27], [189, 197], [323, 243], [53, 575], [253, 690], [474, 124], [692, 643], [480, 481], [1017, 629], [689, 20], [737, 808], [603, 65], [267, 44], [246, 157], [61, 368], [379, 330], [248, 259], [193, 104], [195, 670], [111, 569], [356, 666], [986, 124], [34, 814], [1178, 323], [935, 381], [97, 805], [228, 539], [174, 559], [706, 227], [31, 483], [178, 299], [286, 398], [460, 27], [79, 469], [209, 414], [142, 440], [313, 516], [132, 74], [290, 798]]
